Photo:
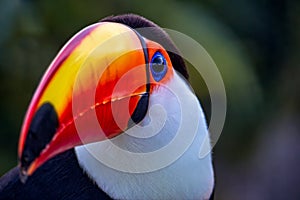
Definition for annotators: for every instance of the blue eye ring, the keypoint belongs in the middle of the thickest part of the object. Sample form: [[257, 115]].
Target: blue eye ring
[[158, 66]]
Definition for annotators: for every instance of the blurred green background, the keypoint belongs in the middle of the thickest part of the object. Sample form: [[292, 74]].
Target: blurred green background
[[254, 43]]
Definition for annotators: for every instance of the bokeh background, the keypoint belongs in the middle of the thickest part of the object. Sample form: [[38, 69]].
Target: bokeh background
[[254, 43]]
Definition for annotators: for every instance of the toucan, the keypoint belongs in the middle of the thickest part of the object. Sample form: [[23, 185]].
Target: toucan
[[113, 117]]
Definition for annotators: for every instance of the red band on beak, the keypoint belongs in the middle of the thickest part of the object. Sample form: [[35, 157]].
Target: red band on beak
[[81, 88], [94, 85]]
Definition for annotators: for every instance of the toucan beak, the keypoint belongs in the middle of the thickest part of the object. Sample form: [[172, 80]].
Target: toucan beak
[[97, 85]]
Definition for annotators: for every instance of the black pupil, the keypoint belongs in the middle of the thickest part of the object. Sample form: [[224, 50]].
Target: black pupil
[[158, 64]]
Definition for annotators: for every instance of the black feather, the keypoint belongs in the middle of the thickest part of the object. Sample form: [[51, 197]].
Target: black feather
[[59, 178]]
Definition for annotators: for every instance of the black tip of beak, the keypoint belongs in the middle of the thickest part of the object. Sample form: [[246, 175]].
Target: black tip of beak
[[140, 110], [41, 131]]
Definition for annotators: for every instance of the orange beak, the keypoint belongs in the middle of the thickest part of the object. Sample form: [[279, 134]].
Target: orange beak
[[97, 85]]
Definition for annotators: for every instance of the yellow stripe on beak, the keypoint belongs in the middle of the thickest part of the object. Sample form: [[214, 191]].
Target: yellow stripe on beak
[[98, 79]]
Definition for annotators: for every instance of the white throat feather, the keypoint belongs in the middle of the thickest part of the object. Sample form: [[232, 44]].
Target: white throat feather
[[188, 177]]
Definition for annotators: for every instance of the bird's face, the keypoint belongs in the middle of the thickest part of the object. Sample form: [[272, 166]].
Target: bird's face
[[98, 85]]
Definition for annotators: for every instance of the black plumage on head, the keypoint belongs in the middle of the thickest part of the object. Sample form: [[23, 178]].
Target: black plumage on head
[[154, 33]]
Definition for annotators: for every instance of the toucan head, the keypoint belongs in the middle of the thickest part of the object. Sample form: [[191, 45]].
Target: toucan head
[[104, 74]]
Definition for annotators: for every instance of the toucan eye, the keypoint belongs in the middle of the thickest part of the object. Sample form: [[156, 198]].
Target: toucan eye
[[158, 66]]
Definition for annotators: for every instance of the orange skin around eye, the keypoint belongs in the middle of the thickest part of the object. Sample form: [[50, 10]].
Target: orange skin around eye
[[154, 47]]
